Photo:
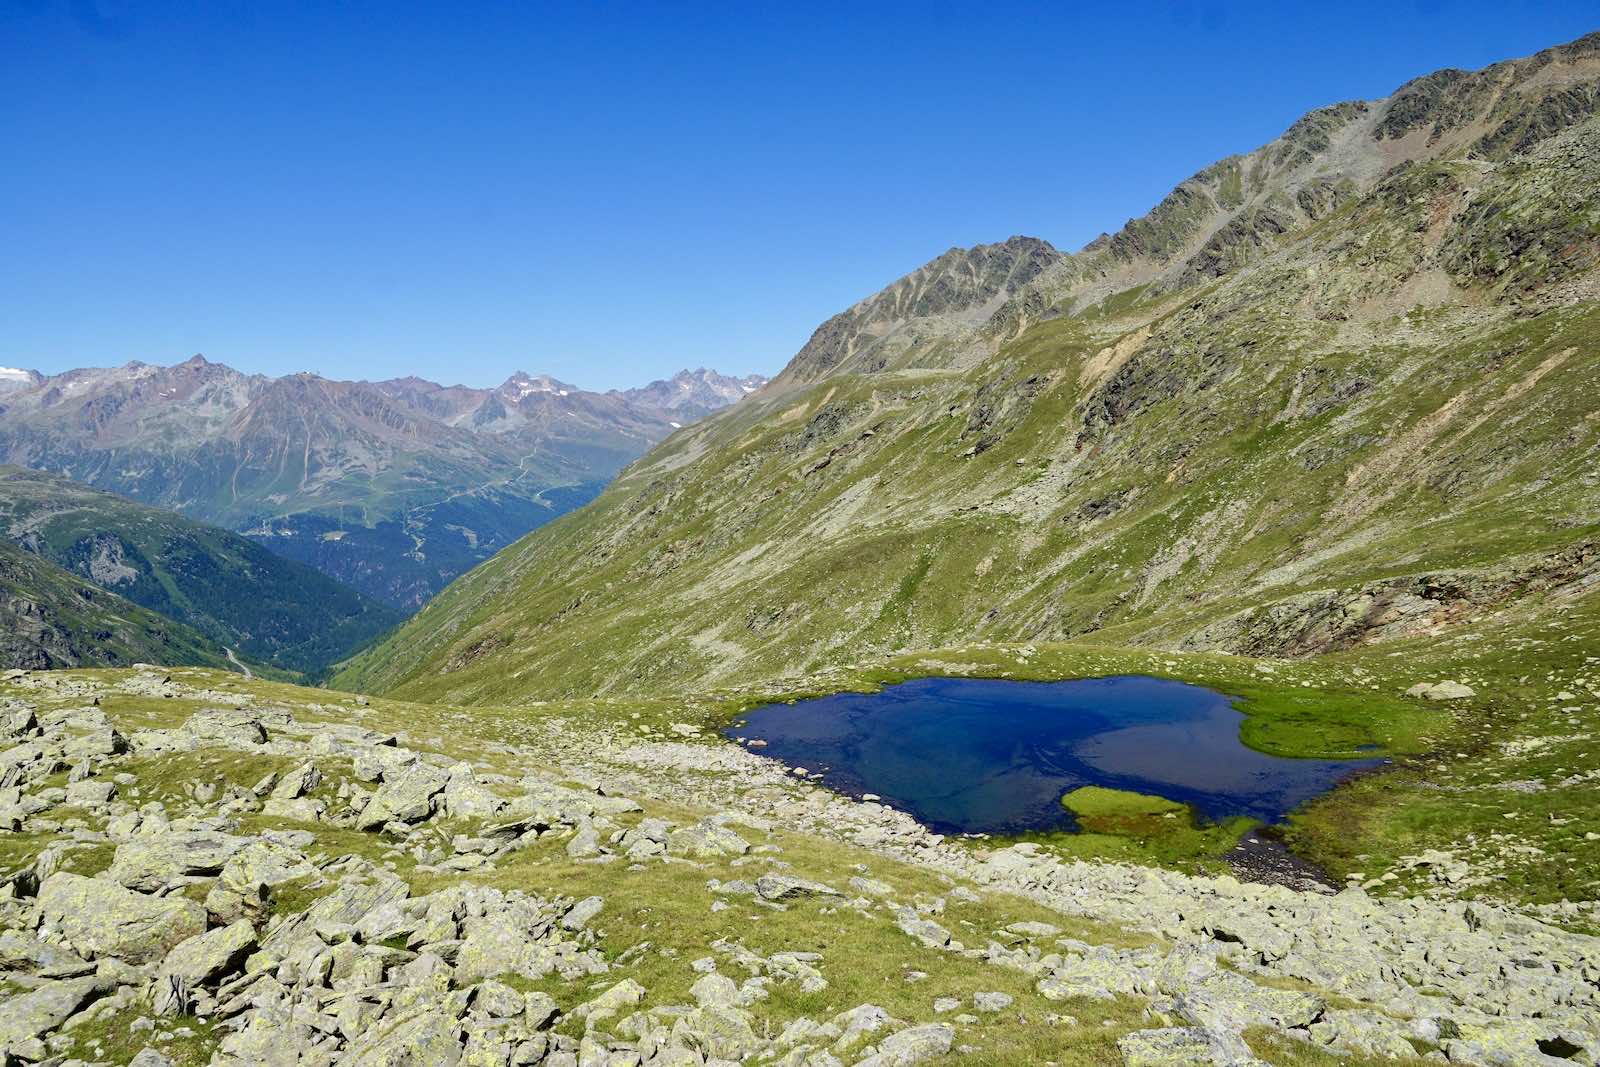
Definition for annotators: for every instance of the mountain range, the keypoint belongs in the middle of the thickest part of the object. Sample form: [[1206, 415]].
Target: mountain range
[[1334, 390], [393, 487]]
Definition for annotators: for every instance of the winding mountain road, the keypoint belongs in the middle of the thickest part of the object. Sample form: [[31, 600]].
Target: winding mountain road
[[235, 661]]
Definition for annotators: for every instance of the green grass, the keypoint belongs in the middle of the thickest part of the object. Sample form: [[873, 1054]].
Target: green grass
[[1099, 803], [1122, 826]]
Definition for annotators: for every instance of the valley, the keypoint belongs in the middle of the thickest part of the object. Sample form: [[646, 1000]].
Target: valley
[[278, 614]]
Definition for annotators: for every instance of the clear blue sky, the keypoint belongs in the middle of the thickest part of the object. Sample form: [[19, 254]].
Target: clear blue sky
[[608, 192]]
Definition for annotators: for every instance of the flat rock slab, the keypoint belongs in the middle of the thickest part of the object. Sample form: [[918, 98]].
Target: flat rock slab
[[98, 918]]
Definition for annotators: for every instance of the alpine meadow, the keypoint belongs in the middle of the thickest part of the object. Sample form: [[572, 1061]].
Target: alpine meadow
[[1180, 651]]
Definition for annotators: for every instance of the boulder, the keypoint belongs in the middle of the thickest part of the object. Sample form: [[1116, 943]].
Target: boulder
[[991, 1002], [149, 862], [465, 798], [102, 742], [427, 1037], [99, 918], [1172, 1046], [913, 1045], [36, 1013], [211, 955], [251, 874], [926, 931], [585, 843], [151, 1058], [497, 1000], [89, 794], [300, 809], [406, 796], [232, 727], [297, 782], [582, 913], [706, 839], [1441, 691], [781, 887]]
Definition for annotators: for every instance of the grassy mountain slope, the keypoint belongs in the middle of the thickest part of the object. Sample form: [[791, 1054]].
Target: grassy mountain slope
[[1366, 419], [50, 618], [225, 586]]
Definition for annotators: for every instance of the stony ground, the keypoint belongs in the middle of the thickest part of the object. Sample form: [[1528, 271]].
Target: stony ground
[[195, 868]]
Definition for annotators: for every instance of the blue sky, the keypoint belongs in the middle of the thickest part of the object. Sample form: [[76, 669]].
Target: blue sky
[[608, 192]]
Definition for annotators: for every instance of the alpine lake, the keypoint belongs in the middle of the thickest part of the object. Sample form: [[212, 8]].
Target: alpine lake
[[986, 756]]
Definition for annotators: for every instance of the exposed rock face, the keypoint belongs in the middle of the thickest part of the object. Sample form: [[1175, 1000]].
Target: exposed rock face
[[955, 293], [50, 618]]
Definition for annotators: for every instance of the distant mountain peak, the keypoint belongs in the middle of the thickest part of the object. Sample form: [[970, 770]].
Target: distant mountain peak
[[522, 385], [13, 379], [693, 393]]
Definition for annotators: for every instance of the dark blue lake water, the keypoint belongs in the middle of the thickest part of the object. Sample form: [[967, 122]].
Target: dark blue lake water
[[977, 755]]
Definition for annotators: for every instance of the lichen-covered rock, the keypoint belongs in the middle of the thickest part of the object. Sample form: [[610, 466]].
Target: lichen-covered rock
[[210, 955], [466, 798], [924, 930], [705, 840], [99, 918], [782, 887], [426, 1038], [150, 862], [297, 782], [37, 1012], [1176, 1046], [232, 727], [406, 796], [912, 1045], [245, 884]]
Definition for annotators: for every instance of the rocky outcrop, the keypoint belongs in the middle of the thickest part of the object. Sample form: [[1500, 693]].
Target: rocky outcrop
[[1327, 620]]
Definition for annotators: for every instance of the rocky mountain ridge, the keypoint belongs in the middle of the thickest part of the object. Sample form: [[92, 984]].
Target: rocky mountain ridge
[[1323, 411], [958, 309], [393, 487]]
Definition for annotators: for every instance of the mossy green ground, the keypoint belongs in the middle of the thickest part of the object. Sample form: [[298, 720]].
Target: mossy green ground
[[1123, 826]]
